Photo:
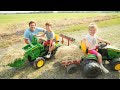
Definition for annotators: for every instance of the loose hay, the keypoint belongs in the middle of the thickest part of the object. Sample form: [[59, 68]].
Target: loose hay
[[72, 52], [11, 55]]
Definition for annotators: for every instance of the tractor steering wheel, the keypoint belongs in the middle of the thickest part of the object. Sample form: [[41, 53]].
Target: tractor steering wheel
[[102, 44]]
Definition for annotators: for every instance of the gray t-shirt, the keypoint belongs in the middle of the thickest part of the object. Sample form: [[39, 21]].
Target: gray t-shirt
[[50, 35]]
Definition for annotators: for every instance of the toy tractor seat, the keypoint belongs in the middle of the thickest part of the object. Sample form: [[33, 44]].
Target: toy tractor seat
[[83, 47], [56, 40], [85, 51]]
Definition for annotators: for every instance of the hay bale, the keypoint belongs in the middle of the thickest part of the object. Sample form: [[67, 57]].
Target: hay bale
[[68, 53], [67, 58]]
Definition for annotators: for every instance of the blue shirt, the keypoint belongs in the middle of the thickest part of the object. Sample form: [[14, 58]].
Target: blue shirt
[[28, 34]]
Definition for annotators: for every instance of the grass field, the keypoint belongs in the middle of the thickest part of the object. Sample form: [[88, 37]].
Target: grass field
[[14, 19], [62, 23], [11, 18], [71, 24]]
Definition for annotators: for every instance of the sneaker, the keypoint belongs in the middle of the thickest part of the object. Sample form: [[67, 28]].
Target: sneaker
[[104, 70], [48, 55]]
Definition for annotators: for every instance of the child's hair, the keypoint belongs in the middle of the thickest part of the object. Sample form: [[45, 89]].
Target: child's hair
[[92, 25], [48, 24]]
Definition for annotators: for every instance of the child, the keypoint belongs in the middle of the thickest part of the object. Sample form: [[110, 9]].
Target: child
[[91, 42], [50, 39]]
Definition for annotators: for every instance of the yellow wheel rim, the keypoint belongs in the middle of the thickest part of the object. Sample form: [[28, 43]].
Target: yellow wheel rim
[[40, 63], [117, 67]]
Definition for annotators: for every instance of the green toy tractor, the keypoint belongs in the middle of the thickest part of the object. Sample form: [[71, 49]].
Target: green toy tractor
[[89, 62], [34, 52]]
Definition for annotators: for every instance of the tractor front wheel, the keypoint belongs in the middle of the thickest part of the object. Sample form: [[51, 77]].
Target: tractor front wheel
[[115, 64], [39, 62]]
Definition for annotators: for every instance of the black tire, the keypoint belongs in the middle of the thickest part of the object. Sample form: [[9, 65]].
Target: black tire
[[91, 69], [39, 62], [71, 68], [115, 64], [53, 53]]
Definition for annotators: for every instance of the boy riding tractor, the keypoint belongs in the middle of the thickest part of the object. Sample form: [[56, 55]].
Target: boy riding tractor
[[36, 52]]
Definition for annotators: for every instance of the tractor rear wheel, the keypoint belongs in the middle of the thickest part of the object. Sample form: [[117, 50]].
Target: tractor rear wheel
[[115, 64], [72, 68], [39, 62], [91, 69]]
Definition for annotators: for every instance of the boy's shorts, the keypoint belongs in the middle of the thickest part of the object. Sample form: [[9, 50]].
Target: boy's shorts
[[93, 52], [47, 42]]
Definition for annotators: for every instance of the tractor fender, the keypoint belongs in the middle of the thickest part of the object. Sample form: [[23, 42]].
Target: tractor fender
[[115, 64], [91, 56], [114, 60]]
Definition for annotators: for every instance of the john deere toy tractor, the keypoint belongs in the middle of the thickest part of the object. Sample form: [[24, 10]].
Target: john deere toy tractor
[[34, 52], [89, 62]]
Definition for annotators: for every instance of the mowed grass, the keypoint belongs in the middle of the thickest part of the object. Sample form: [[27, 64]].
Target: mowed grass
[[109, 29], [10, 23], [17, 18], [101, 24], [11, 18], [8, 20]]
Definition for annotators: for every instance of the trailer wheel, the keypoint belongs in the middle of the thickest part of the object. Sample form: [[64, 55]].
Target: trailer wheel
[[72, 68]]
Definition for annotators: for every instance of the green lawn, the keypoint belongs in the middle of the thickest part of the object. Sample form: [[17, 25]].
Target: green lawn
[[16, 18]]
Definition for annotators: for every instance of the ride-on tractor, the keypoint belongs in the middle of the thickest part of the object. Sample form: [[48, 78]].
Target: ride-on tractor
[[35, 52], [89, 64]]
